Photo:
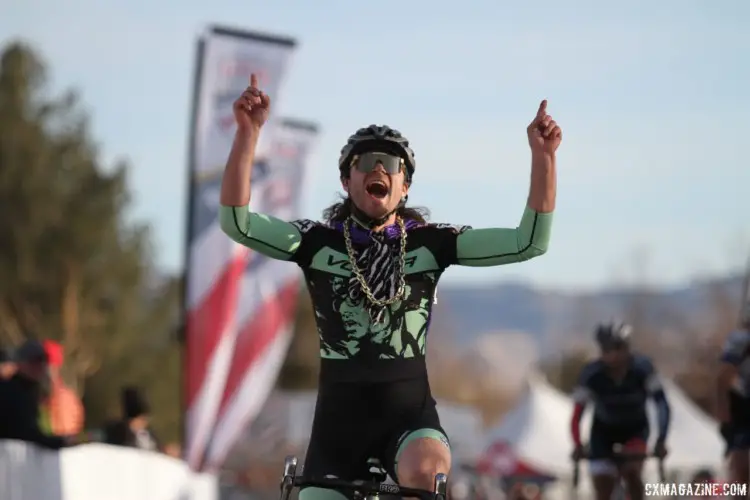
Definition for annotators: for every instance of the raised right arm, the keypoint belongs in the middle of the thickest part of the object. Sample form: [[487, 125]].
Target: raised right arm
[[250, 111], [238, 173], [268, 235]]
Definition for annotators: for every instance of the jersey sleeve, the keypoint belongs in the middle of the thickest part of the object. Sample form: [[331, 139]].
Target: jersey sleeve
[[735, 347], [265, 234], [499, 246], [583, 393], [651, 380]]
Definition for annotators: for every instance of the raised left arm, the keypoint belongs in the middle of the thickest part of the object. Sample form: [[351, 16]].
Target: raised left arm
[[499, 246], [543, 190]]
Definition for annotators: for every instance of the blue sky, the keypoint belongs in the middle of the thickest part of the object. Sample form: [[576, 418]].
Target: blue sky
[[652, 97]]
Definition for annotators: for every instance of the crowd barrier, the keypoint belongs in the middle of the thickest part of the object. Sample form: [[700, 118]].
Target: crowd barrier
[[97, 472]]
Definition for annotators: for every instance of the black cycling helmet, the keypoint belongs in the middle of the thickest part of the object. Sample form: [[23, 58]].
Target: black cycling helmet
[[381, 139], [613, 334]]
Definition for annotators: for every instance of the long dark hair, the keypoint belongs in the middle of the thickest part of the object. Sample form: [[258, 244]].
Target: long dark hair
[[341, 210]]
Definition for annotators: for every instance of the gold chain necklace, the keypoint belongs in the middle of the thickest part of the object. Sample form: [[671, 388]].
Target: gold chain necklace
[[358, 272]]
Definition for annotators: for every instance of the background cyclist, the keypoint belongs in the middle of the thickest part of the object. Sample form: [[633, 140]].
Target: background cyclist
[[733, 399], [618, 384]]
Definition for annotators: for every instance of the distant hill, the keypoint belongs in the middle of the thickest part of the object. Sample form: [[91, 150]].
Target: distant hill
[[551, 316]]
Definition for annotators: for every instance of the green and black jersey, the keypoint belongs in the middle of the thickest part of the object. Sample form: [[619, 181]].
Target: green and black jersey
[[353, 346]]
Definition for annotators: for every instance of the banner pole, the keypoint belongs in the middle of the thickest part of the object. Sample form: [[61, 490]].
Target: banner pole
[[187, 254]]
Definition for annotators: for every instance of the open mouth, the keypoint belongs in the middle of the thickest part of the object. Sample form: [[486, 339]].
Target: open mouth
[[377, 189]]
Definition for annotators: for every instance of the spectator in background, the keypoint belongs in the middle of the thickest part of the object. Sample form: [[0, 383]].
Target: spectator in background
[[7, 364], [133, 430], [20, 397], [62, 409]]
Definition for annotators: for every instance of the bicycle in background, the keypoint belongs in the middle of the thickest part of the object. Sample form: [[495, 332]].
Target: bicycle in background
[[618, 457]]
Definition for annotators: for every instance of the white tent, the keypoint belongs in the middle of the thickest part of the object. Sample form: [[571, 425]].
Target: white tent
[[694, 439], [538, 429]]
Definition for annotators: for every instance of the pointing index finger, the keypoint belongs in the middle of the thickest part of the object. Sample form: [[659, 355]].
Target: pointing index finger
[[542, 109], [253, 81]]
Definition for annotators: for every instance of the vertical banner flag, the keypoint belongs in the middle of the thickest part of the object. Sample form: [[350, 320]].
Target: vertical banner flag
[[268, 292], [215, 264]]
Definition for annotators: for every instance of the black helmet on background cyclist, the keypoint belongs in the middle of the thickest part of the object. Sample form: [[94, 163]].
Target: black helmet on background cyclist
[[613, 335], [376, 168], [613, 339]]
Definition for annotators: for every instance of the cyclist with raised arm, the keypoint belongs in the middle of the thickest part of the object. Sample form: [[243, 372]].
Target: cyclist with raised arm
[[618, 384], [733, 399], [371, 270]]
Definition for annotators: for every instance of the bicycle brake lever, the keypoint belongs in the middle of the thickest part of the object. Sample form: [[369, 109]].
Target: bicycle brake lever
[[287, 480], [441, 486]]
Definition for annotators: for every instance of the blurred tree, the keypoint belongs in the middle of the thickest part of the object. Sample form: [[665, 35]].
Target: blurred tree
[[564, 372], [698, 375], [149, 358], [684, 347], [72, 268]]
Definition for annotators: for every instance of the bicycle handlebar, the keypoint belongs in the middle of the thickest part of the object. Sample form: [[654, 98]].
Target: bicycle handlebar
[[363, 487], [619, 457], [366, 488]]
